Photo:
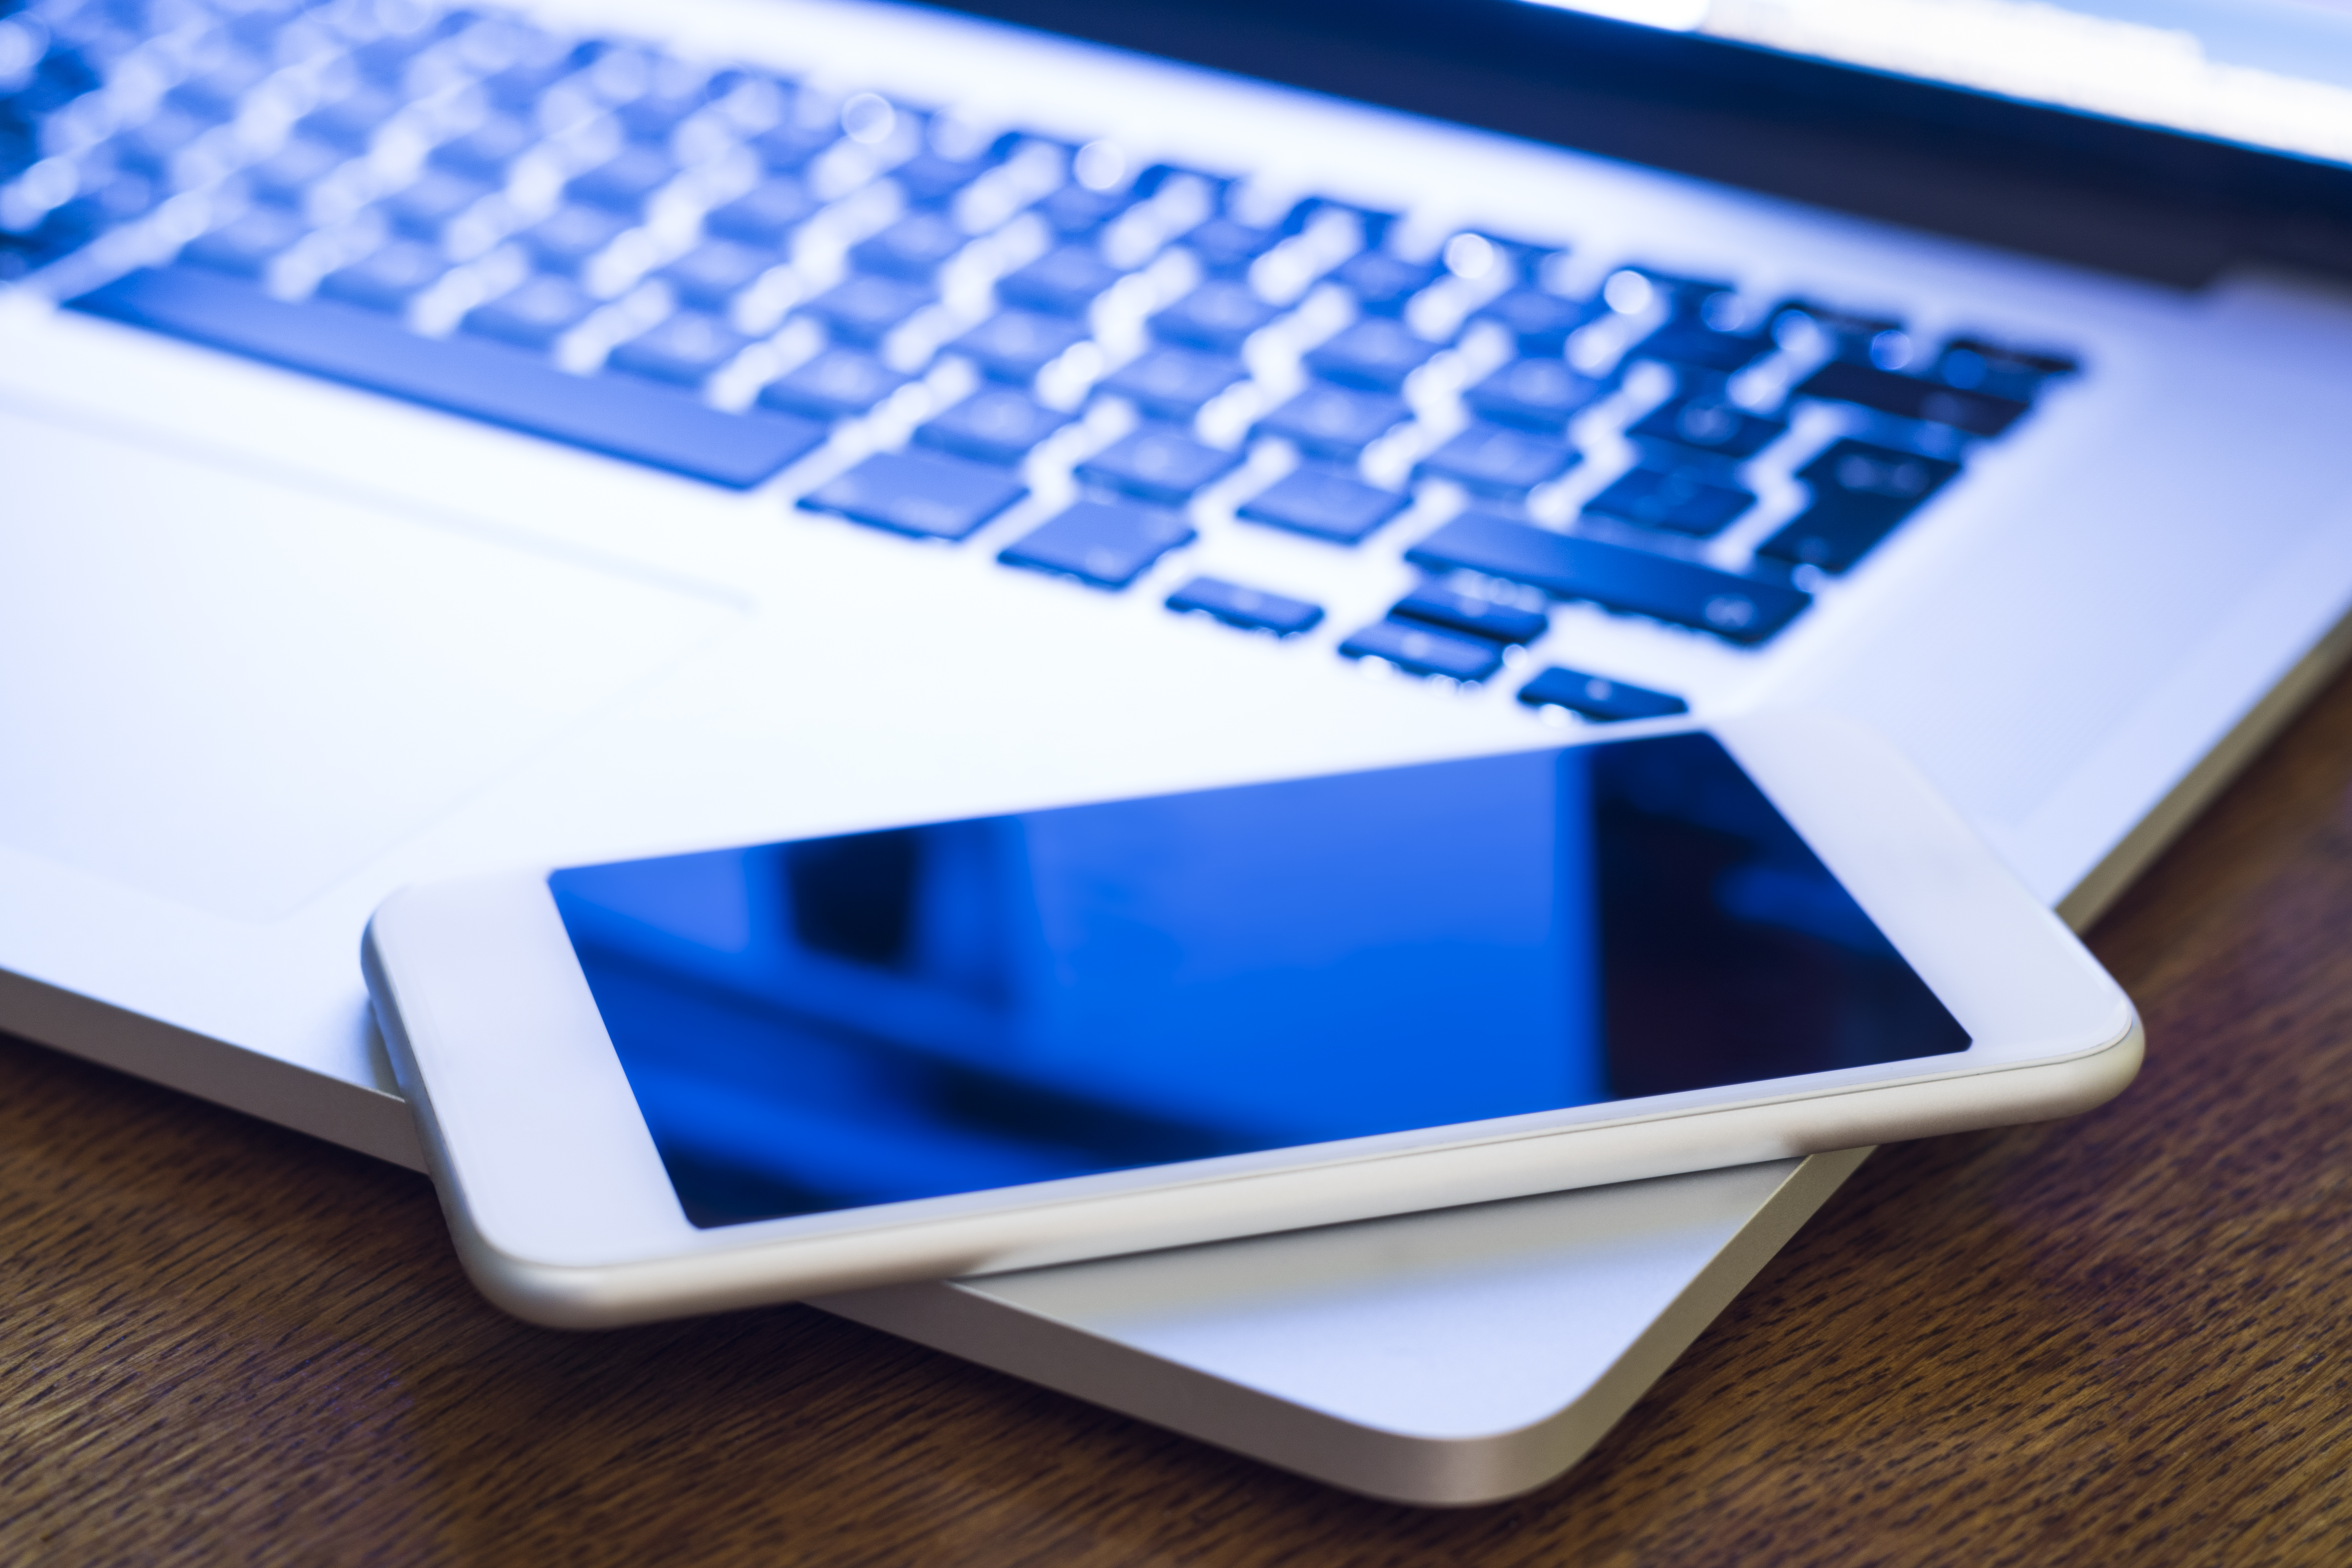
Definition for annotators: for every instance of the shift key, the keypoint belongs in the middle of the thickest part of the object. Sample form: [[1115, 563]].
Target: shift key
[[1739, 609]]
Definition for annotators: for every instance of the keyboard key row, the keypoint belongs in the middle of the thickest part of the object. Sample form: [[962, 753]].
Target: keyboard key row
[[995, 424], [1739, 609], [928, 495], [1861, 492], [1423, 650], [1864, 490], [1597, 697], [1248, 608], [621, 417], [1700, 451], [1106, 544]]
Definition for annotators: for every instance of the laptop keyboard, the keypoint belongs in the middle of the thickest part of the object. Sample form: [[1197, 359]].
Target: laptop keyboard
[[738, 278]]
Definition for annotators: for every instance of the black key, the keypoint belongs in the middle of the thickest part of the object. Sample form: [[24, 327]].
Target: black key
[[1829, 537], [1065, 280], [1015, 346], [259, 27], [214, 95], [1684, 295], [1739, 609], [616, 415], [66, 72], [425, 207], [838, 383], [565, 239], [388, 278], [1540, 320], [624, 182], [520, 85], [1324, 504], [120, 198], [763, 215], [1158, 463], [1107, 543], [1861, 492], [1850, 332], [995, 424], [863, 310], [1913, 397], [1675, 499], [1859, 473], [489, 149], [683, 349], [788, 147], [653, 116], [532, 314], [1227, 245], [1418, 650], [914, 246], [1708, 425], [19, 148], [285, 174], [385, 59], [1074, 210], [1376, 351], [1689, 341], [1493, 459], [1597, 697], [351, 120], [715, 271], [1335, 421], [929, 178], [1251, 609], [247, 243], [1382, 283], [1158, 177], [926, 494], [150, 146], [1525, 255], [1217, 315], [1172, 383], [1974, 364], [1538, 394], [62, 229], [1459, 612]]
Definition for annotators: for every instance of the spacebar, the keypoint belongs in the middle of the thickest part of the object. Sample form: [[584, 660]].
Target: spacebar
[[1741, 609], [615, 415]]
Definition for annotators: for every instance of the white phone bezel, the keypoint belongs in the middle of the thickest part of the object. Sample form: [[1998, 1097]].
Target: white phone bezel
[[565, 1214]]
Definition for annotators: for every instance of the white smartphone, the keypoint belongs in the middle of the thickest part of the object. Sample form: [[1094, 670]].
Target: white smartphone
[[707, 1081]]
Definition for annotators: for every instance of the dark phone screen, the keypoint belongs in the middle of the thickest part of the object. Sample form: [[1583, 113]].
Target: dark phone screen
[[836, 1022]]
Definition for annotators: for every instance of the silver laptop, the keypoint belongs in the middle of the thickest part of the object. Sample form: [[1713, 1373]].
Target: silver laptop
[[435, 438]]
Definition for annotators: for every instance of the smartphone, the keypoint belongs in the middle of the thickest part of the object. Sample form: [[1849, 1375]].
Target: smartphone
[[706, 1080]]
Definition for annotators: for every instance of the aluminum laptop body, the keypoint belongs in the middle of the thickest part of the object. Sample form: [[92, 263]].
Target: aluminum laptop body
[[284, 628]]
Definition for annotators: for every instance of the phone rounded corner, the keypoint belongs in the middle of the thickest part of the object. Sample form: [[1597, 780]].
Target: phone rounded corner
[[2104, 1072], [388, 912], [2083, 1080], [547, 1296]]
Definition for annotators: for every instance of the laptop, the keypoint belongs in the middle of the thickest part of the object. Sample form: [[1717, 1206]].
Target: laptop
[[439, 437]]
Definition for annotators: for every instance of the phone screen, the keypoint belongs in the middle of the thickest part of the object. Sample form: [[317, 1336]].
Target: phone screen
[[838, 1021]]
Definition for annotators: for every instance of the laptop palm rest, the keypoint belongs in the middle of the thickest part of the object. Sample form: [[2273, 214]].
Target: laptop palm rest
[[310, 677]]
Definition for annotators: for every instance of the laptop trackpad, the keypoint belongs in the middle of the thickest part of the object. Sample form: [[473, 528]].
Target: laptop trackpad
[[231, 690]]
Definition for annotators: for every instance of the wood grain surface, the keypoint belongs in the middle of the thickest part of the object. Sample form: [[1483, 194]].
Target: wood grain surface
[[2124, 1339]]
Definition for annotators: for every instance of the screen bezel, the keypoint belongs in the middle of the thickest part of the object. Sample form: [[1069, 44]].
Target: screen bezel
[[2125, 197], [543, 1153]]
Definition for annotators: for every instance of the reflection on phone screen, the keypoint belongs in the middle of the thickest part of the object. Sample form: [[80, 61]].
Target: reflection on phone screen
[[879, 1017]]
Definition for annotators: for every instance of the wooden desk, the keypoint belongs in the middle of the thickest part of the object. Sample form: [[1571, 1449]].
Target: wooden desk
[[2122, 1339]]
